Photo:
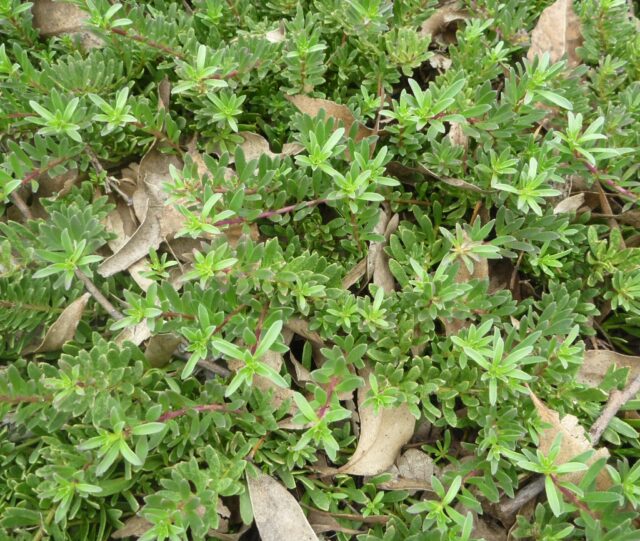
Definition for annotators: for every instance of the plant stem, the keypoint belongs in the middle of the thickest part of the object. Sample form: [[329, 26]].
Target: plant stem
[[41, 531], [98, 296], [271, 213], [182, 411]]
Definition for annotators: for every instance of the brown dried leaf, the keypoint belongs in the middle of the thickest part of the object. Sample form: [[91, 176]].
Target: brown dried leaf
[[136, 334], [596, 363], [161, 348], [377, 259], [382, 435], [255, 145], [569, 204], [133, 527], [160, 221], [412, 471], [574, 442], [277, 514], [443, 24], [312, 106], [456, 135], [557, 33], [355, 274], [57, 18], [63, 329]]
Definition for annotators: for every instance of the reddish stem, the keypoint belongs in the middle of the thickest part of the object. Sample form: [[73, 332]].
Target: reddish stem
[[149, 42], [270, 213], [182, 411], [333, 383]]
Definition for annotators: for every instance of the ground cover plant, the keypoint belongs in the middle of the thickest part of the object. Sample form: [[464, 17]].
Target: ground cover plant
[[319, 269]]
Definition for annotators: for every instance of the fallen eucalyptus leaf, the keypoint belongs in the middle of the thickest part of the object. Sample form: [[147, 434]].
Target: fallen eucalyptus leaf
[[443, 24], [597, 362], [277, 514], [377, 260], [255, 145], [312, 106], [412, 471], [58, 18], [574, 442], [63, 329], [557, 33], [382, 435], [569, 204]]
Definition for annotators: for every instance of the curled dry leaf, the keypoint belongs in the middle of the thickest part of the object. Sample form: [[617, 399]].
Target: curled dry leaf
[[120, 222], [63, 329], [557, 33], [277, 514], [255, 145], [443, 24], [160, 221], [596, 363], [56, 18], [382, 435], [569, 204], [574, 442], [312, 106]]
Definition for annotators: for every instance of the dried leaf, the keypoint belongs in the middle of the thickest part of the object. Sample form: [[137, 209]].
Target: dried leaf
[[557, 33], [63, 329], [355, 274], [312, 106], [574, 442], [569, 204], [377, 259], [412, 471], [597, 362], [440, 62], [255, 145], [160, 221], [134, 526], [278, 35], [443, 24], [382, 435], [136, 334], [56, 18], [122, 225], [277, 514], [456, 135], [161, 348]]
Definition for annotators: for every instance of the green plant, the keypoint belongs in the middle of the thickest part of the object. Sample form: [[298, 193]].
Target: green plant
[[310, 231]]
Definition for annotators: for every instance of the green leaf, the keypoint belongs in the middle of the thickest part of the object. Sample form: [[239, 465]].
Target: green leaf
[[147, 428]]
